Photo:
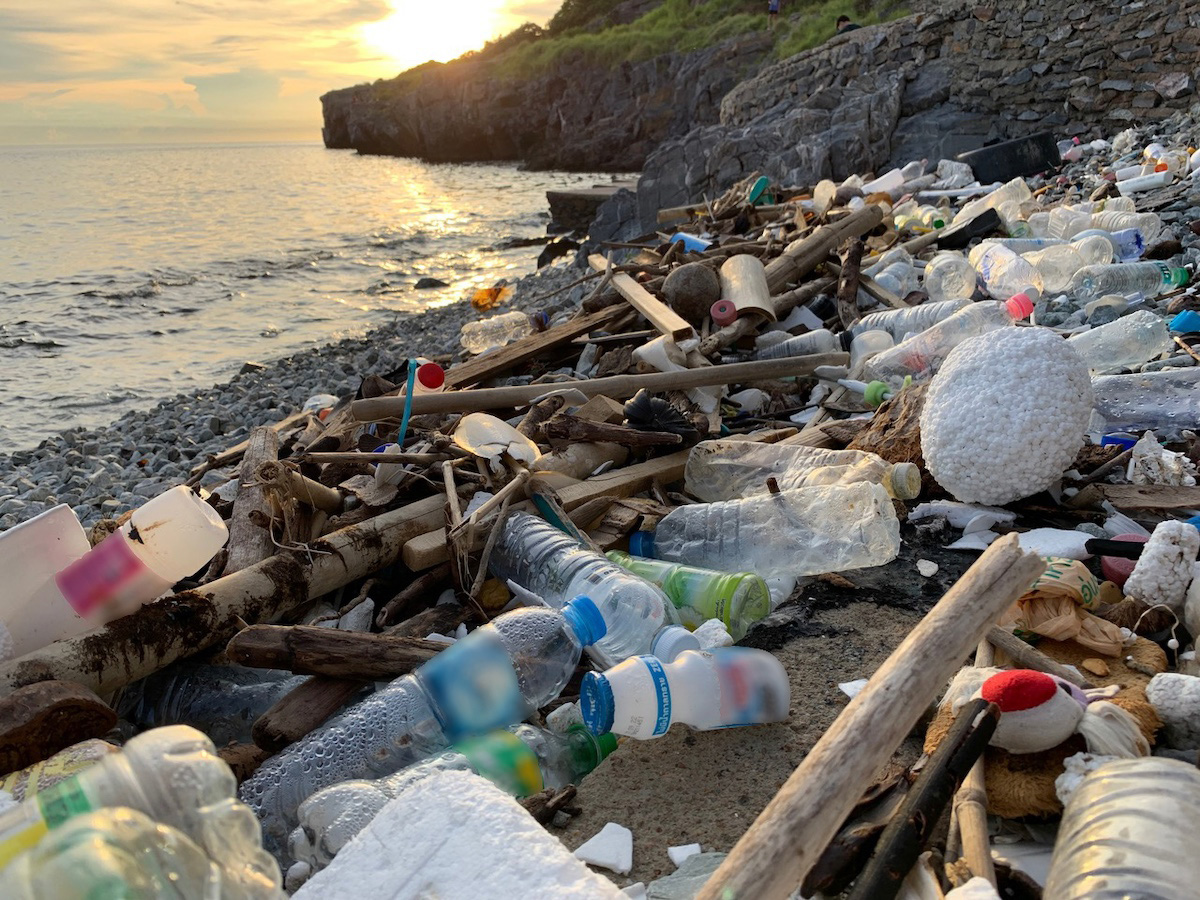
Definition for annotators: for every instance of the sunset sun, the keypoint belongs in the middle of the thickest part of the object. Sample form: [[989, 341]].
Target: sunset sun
[[417, 32]]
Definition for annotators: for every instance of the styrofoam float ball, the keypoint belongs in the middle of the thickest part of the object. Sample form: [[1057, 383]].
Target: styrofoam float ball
[[1005, 416]]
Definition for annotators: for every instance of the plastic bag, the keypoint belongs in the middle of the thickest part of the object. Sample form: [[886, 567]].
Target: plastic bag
[[1057, 606]]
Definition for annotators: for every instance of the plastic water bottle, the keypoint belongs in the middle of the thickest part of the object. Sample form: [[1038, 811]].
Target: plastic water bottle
[[1056, 266], [522, 761], [1129, 830], [901, 322], [496, 676], [495, 331], [726, 470], [1067, 221], [1148, 278], [949, 278], [738, 599], [922, 354], [172, 775], [820, 341], [536, 555], [898, 277], [1004, 273], [221, 701], [1165, 402], [1110, 220], [1128, 341], [1127, 244], [121, 852], [642, 697], [830, 528], [867, 344], [1015, 191]]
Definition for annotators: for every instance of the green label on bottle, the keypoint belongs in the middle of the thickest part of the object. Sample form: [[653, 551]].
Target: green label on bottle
[[506, 761], [63, 801]]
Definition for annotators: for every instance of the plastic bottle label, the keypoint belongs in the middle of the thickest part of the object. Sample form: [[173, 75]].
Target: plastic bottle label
[[506, 761], [25, 826], [750, 694], [474, 687], [109, 573], [662, 694]]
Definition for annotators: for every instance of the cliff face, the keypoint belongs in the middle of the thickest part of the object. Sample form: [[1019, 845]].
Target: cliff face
[[574, 116]]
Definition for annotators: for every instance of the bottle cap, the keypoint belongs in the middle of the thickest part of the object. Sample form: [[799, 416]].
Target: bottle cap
[[723, 312], [1186, 322], [906, 481], [607, 742], [431, 376], [596, 703], [1020, 306], [876, 392], [585, 620], [671, 641], [641, 543], [1179, 277]]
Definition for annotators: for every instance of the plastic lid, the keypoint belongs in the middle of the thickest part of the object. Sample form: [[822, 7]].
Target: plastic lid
[[876, 392], [431, 375], [1179, 277], [1020, 306], [906, 481], [641, 543], [607, 743], [1117, 440], [671, 641], [596, 703], [1194, 521], [723, 312], [585, 620]]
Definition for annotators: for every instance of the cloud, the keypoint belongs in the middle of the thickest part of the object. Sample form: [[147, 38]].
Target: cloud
[[241, 93]]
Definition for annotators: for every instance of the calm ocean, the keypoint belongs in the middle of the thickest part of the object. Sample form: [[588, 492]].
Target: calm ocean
[[132, 273]]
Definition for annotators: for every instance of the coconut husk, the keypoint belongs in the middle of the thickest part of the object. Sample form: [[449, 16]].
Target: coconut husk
[[1129, 611]]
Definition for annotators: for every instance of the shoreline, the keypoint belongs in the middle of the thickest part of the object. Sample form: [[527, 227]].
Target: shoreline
[[102, 472]]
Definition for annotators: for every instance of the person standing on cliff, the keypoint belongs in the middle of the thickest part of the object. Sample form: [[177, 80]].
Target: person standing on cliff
[[772, 14], [844, 24]]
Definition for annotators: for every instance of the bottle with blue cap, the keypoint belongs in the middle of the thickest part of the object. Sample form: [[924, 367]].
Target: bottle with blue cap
[[643, 696], [496, 676]]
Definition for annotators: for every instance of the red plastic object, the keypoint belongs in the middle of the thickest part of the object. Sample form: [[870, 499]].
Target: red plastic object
[[1116, 569], [723, 312]]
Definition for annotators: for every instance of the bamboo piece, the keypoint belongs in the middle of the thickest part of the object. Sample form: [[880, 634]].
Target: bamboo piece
[[310, 650], [803, 255], [159, 633], [250, 543], [748, 324], [1032, 657], [614, 386], [657, 313], [315, 494], [772, 858], [847, 290], [970, 802], [744, 283]]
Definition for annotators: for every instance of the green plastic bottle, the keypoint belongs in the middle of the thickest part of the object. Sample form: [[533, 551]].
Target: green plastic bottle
[[738, 599]]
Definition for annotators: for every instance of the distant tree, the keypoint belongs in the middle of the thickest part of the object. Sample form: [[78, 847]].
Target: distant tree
[[577, 13]]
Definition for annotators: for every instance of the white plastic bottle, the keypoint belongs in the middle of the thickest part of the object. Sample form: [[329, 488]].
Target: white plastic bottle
[[540, 558], [921, 355], [642, 697], [726, 470], [1004, 273], [949, 277], [820, 341], [1096, 248], [1148, 278], [901, 322], [1015, 191], [495, 331], [174, 776], [1128, 341], [829, 528]]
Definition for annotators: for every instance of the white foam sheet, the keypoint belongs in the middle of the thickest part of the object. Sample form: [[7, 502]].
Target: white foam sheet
[[455, 836]]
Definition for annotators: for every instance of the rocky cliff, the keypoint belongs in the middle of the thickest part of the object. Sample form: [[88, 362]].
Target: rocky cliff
[[937, 83], [577, 115]]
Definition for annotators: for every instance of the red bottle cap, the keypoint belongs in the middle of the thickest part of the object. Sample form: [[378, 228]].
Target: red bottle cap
[[723, 312], [431, 376]]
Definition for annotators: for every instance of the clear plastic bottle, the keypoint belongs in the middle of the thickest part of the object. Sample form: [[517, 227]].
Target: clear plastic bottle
[[171, 774], [522, 761], [1004, 273], [1129, 831], [1128, 341], [123, 853], [820, 341], [1056, 265], [1096, 248], [1067, 221], [828, 528], [495, 331], [1148, 224], [921, 355], [901, 322], [536, 555], [726, 470], [1148, 278], [738, 599], [1165, 402], [494, 677], [868, 343], [642, 697], [1127, 244], [1015, 191], [949, 278]]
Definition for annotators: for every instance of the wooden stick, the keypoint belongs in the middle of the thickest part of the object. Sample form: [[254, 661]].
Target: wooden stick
[[315, 494], [39, 720], [872, 288], [1152, 496], [803, 255], [568, 429], [310, 650], [371, 459], [618, 387], [1031, 657], [847, 290], [970, 803], [419, 590], [516, 486], [250, 543], [771, 859], [657, 313]]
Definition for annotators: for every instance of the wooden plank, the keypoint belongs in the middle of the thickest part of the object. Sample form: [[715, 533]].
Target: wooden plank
[[1152, 496], [661, 316]]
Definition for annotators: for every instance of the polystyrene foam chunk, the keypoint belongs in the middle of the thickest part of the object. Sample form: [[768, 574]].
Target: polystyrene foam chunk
[[611, 848], [683, 851], [713, 634], [975, 889], [455, 836]]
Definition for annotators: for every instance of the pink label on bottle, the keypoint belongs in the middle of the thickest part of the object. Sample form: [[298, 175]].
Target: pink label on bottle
[[108, 571]]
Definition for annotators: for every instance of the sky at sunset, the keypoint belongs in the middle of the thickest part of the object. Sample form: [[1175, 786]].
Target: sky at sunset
[[75, 71]]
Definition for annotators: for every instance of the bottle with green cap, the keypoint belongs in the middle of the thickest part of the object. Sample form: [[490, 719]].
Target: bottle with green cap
[[522, 760], [738, 599], [1149, 278], [729, 470]]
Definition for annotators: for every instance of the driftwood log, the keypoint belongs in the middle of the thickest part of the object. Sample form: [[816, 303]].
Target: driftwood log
[[249, 542], [803, 255], [568, 429], [847, 290], [309, 650], [39, 720]]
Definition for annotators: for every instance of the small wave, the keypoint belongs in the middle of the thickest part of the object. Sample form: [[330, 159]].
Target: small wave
[[35, 343]]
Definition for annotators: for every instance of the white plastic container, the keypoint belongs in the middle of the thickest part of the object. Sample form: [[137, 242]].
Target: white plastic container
[[1141, 183], [642, 697], [166, 539]]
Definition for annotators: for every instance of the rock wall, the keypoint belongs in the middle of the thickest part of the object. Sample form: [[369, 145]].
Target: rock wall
[[935, 84], [575, 116]]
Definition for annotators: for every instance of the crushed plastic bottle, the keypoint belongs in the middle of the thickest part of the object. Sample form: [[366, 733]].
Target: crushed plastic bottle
[[1149, 225], [738, 599], [522, 761], [1015, 191], [1003, 273], [1128, 341], [497, 331], [540, 558], [902, 322], [642, 697], [1165, 402], [496, 676], [828, 528], [1147, 278], [949, 278], [172, 775], [726, 470]]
